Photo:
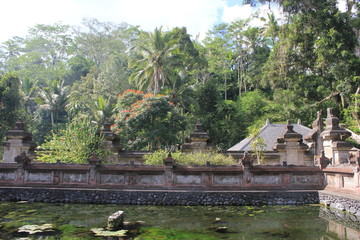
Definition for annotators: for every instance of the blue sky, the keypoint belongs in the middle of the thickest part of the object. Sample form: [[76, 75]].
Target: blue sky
[[197, 15]]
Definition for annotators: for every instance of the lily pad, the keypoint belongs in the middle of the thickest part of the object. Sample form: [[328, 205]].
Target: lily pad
[[100, 232], [32, 229]]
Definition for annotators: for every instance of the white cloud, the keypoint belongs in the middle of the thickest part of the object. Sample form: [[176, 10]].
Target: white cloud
[[341, 4], [197, 15], [236, 12]]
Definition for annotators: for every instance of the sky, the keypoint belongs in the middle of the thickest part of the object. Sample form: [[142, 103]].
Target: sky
[[198, 16]]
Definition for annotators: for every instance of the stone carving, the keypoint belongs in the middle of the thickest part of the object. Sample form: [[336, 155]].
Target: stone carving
[[169, 161], [22, 159], [324, 161], [111, 142], [291, 147], [198, 142], [335, 146], [314, 138], [18, 140], [94, 160], [246, 161]]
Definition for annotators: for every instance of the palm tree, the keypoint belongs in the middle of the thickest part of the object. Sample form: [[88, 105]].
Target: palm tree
[[157, 62], [102, 109], [28, 92], [271, 29], [56, 97], [181, 93]]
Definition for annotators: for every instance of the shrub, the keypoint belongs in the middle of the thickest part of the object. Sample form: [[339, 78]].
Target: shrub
[[74, 144], [147, 121], [189, 159]]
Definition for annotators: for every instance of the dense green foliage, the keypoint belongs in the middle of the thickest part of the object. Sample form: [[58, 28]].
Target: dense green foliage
[[189, 159], [74, 144], [9, 102], [147, 120], [232, 81]]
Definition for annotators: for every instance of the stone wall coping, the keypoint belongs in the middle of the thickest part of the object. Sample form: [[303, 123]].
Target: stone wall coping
[[288, 168], [341, 193], [339, 170], [212, 168], [47, 166], [106, 167], [9, 165], [165, 190]]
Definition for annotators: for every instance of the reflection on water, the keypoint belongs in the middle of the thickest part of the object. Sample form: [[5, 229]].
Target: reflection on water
[[73, 221], [341, 224]]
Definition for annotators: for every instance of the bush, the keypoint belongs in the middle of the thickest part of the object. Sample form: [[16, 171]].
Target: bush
[[74, 144], [147, 121], [189, 159]]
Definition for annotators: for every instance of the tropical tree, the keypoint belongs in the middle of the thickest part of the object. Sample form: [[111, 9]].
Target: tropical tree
[[56, 97], [9, 102], [147, 121], [29, 91], [271, 29], [157, 62], [182, 93], [102, 109]]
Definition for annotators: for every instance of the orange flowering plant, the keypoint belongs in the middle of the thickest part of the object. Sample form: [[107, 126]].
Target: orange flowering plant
[[147, 121]]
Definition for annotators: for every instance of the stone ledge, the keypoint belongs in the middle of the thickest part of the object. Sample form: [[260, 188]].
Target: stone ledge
[[340, 201], [169, 198]]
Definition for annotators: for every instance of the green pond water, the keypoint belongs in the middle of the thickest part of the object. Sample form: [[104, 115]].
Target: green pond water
[[74, 221]]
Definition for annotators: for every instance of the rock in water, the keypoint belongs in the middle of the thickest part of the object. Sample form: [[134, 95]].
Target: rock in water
[[221, 229], [115, 221], [100, 232], [33, 229]]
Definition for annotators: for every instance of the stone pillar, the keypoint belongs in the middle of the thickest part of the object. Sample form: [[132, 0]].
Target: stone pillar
[[247, 163], [198, 141], [18, 140], [111, 143], [280, 147], [314, 138], [95, 162], [169, 163], [323, 161], [335, 146], [22, 160], [291, 143]]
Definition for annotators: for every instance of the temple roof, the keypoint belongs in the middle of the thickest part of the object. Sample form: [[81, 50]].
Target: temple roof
[[270, 132]]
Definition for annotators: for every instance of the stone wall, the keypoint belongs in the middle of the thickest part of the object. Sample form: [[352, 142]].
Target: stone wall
[[342, 217], [343, 176], [169, 177], [342, 203], [182, 198]]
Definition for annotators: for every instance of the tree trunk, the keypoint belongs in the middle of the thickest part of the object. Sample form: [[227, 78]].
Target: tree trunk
[[355, 113]]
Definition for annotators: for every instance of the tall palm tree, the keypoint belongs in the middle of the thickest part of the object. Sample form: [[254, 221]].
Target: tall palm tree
[[182, 93], [56, 97], [271, 29], [157, 63], [29, 91]]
